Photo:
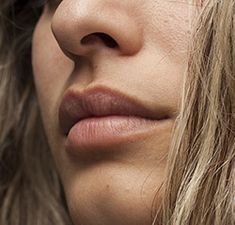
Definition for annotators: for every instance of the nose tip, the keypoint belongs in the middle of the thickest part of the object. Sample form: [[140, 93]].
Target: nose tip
[[83, 28]]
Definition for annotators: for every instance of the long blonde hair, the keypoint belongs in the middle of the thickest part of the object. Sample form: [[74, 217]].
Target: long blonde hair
[[200, 184]]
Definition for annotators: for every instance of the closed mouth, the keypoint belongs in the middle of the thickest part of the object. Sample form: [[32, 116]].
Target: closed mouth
[[100, 101]]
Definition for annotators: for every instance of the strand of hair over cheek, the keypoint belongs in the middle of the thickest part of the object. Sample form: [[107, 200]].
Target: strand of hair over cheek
[[200, 187], [30, 189]]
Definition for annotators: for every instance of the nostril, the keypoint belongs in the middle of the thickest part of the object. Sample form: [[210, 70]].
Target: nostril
[[94, 37]]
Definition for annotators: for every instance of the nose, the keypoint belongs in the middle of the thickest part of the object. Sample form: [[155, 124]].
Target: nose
[[85, 27]]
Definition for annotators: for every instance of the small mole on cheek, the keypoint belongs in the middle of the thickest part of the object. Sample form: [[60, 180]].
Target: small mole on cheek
[[127, 190]]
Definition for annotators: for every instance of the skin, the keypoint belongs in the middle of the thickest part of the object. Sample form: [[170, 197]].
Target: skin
[[121, 185]]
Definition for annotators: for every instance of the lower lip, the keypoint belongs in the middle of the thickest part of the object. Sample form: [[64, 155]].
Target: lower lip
[[101, 132]]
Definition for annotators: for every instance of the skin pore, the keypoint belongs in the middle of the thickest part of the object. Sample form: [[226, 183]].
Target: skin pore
[[118, 185]]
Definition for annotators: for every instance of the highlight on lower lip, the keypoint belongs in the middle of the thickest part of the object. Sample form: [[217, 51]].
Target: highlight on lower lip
[[108, 130]]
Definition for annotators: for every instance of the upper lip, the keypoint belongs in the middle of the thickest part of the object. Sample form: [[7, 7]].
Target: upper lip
[[100, 101]]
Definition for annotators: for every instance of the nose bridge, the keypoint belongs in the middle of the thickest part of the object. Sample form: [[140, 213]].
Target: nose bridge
[[81, 27]]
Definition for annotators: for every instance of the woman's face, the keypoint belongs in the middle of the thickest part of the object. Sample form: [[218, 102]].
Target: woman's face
[[109, 79]]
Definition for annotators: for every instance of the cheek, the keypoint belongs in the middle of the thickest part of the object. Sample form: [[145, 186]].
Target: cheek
[[49, 75], [170, 26]]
